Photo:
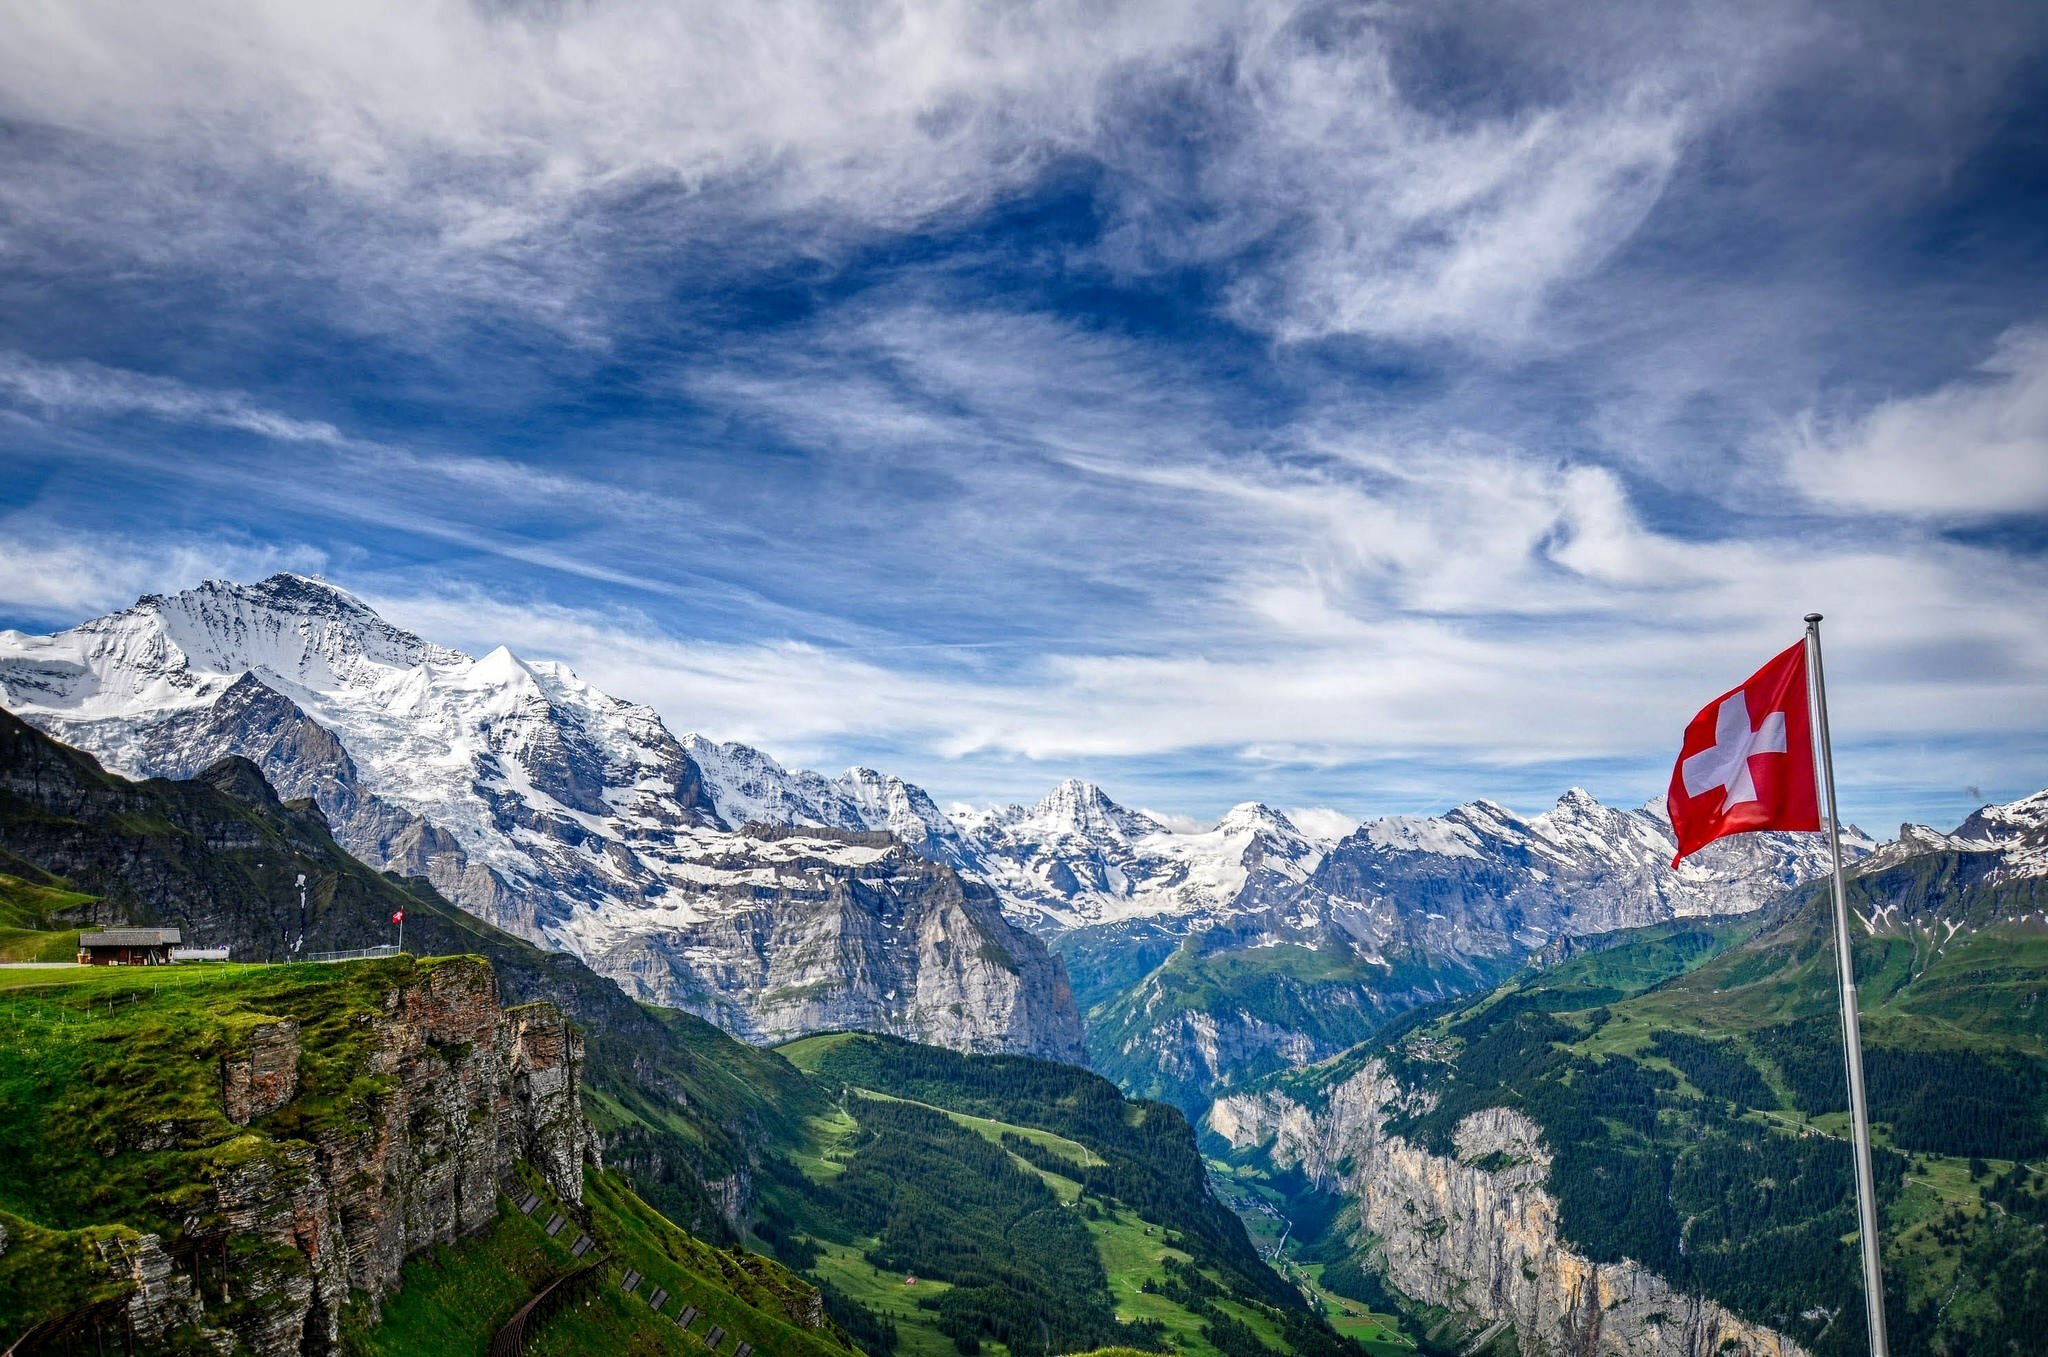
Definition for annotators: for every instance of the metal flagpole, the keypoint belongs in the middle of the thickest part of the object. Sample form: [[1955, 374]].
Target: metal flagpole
[[1852, 1043]]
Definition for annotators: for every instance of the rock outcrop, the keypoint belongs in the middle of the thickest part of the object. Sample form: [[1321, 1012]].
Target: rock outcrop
[[1477, 1233], [264, 1075], [160, 1298], [468, 1089], [807, 930]]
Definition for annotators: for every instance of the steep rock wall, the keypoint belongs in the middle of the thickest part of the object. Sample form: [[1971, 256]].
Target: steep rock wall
[[843, 930], [1483, 1242], [468, 1089]]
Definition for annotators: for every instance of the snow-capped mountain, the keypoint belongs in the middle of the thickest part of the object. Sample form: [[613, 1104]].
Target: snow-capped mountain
[[556, 810], [747, 786], [1404, 910], [711, 877], [1078, 859], [1990, 872], [2016, 831], [1495, 881]]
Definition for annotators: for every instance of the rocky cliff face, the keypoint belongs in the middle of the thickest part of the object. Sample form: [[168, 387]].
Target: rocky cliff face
[[1477, 1233], [337, 1123], [810, 930], [472, 1089]]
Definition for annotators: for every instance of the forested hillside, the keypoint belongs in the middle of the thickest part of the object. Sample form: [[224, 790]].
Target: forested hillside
[[1694, 1106], [1036, 1206]]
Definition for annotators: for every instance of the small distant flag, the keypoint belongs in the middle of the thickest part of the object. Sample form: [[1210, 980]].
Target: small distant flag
[[398, 917]]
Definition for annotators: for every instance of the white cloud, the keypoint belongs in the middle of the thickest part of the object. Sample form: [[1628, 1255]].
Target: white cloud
[[1314, 566], [62, 578], [1321, 822], [459, 146], [1357, 597], [782, 695], [1179, 824], [1394, 221], [1368, 594], [1922, 649], [1921, 645], [516, 155], [90, 390], [1975, 446]]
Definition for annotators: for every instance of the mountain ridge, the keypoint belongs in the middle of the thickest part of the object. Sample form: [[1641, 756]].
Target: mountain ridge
[[535, 800], [546, 806]]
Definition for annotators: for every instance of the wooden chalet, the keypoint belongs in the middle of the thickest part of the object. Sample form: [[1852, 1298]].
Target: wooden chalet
[[128, 947]]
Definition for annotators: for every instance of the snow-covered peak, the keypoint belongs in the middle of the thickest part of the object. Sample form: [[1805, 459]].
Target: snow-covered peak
[[291, 625], [1472, 830], [1489, 820], [748, 786], [1913, 841], [2001, 824], [172, 651], [1578, 866], [1083, 809], [1256, 817], [503, 684], [1077, 858], [502, 667], [2017, 831], [1443, 835], [1579, 811]]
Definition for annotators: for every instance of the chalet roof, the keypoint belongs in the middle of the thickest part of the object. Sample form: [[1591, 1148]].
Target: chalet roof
[[131, 937]]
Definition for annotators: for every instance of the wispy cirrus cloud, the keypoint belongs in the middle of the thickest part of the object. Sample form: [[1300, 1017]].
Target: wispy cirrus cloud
[[1974, 446], [1234, 398], [59, 577], [517, 155], [1387, 217], [84, 389]]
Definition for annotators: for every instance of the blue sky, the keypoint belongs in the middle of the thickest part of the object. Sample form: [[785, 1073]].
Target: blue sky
[[1365, 406]]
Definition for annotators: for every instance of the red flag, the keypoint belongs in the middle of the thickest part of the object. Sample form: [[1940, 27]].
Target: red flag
[[398, 917], [1747, 761]]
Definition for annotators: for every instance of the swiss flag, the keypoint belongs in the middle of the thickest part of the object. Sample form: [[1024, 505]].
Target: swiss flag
[[1747, 761], [398, 916]]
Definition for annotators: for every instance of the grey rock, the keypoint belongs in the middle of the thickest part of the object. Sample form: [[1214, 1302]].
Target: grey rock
[[473, 1089], [814, 930], [1483, 1243]]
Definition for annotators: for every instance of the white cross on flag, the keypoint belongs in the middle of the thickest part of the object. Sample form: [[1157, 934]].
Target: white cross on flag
[[1747, 761]]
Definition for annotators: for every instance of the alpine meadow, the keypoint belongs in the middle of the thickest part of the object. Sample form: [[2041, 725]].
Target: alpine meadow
[[1423, 629]]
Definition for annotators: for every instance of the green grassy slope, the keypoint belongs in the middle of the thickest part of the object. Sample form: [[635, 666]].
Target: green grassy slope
[[686, 1112], [33, 910], [453, 1299], [1692, 1094], [1102, 1199], [111, 1123], [1038, 1208], [110, 1103]]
